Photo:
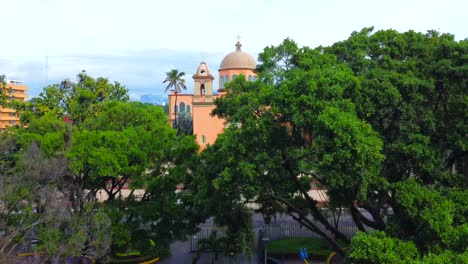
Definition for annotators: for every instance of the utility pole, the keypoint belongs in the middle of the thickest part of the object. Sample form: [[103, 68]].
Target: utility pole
[[46, 67]]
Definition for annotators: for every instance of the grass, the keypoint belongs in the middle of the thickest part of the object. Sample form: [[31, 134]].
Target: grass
[[316, 248]]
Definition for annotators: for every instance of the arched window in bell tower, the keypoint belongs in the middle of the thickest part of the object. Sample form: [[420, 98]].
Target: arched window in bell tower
[[202, 90]]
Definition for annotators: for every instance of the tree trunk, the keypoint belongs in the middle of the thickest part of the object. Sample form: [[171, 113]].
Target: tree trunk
[[175, 113], [302, 219]]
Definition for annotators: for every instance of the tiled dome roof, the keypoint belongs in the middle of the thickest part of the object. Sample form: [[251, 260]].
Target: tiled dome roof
[[238, 60]]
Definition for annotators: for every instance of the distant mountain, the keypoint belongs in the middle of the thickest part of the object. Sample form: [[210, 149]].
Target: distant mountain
[[154, 99]]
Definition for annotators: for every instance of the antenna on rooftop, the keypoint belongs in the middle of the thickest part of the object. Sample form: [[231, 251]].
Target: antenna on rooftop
[[46, 67]]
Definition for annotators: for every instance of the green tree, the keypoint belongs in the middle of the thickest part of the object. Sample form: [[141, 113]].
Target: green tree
[[111, 145], [377, 120], [2, 90], [129, 145], [269, 147], [175, 81], [185, 123], [413, 93], [34, 201], [77, 101]]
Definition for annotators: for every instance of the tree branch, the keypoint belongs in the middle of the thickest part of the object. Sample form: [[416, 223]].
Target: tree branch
[[378, 223], [318, 215], [356, 218], [302, 219]]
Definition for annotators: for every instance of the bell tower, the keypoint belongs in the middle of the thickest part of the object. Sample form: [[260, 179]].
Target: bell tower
[[203, 85]]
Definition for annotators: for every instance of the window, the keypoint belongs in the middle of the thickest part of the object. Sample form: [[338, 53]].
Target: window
[[182, 107], [203, 139], [12, 122], [250, 78], [234, 76], [12, 114], [222, 81], [188, 108]]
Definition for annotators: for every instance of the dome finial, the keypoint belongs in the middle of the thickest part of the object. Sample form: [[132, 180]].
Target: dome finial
[[238, 44]]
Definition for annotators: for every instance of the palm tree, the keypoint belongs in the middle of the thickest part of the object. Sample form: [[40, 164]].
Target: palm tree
[[176, 82]]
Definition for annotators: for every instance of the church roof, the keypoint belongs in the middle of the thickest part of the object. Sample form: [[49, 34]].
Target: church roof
[[203, 72], [238, 60]]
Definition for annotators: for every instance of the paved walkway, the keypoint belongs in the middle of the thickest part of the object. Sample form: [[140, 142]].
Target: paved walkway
[[180, 253]]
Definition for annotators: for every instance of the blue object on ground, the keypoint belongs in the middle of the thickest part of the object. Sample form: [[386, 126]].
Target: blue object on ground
[[303, 253]]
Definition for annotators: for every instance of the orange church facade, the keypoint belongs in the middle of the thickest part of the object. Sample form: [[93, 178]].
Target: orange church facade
[[200, 104]]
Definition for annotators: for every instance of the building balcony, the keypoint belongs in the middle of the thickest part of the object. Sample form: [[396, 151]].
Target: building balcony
[[9, 118], [17, 87], [6, 110], [22, 95]]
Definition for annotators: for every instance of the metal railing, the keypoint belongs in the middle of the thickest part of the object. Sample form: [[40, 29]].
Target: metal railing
[[286, 229], [279, 229]]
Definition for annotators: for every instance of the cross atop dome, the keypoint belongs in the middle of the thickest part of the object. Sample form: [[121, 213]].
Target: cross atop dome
[[238, 44]]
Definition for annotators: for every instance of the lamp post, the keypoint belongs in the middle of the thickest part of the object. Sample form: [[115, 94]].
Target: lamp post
[[265, 241]]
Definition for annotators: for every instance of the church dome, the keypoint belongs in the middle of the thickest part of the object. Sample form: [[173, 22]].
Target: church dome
[[238, 60]]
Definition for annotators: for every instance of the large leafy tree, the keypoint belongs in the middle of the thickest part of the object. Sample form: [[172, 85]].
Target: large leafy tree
[[175, 81], [269, 155], [413, 93], [377, 120], [107, 146], [77, 101], [34, 202], [130, 145]]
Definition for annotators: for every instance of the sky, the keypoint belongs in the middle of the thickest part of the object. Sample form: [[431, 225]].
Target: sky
[[135, 42]]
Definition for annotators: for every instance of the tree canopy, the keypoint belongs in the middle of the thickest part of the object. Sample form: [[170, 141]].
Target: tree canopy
[[82, 145], [377, 120]]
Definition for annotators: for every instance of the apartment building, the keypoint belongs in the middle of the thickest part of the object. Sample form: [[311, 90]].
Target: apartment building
[[15, 90]]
